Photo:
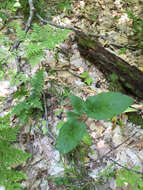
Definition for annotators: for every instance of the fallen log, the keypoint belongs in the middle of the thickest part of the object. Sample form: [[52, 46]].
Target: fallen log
[[129, 76]]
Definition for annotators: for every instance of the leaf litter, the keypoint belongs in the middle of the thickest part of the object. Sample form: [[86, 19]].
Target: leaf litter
[[104, 135]]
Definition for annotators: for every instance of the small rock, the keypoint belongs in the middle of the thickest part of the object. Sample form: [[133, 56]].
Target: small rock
[[112, 183], [93, 155], [44, 185], [106, 21], [133, 158], [102, 147], [95, 173], [77, 62], [2, 188], [93, 126], [6, 89], [55, 168], [50, 58], [117, 139], [123, 27], [122, 157]]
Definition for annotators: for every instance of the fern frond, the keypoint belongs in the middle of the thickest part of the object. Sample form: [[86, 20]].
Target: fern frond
[[54, 37], [10, 156], [34, 52], [24, 109], [37, 83], [10, 179], [41, 38], [7, 133]]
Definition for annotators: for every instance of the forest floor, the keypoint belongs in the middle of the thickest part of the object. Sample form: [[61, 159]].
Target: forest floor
[[117, 144]]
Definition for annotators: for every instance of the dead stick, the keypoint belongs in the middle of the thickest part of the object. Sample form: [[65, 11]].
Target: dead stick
[[55, 25], [28, 24], [46, 117], [90, 34], [105, 155], [126, 168]]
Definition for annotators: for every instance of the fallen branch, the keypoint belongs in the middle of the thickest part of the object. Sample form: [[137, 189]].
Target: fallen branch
[[129, 77]]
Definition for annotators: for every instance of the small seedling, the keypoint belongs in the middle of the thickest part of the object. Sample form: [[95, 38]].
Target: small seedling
[[87, 80], [122, 51], [100, 107], [58, 112]]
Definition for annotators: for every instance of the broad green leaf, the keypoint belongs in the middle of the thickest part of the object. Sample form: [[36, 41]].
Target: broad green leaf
[[71, 115], [71, 133], [107, 105], [77, 104], [59, 125]]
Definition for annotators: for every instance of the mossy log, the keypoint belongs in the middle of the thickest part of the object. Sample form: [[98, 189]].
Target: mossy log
[[129, 76]]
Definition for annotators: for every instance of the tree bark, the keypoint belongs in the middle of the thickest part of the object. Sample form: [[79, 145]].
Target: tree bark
[[129, 76]]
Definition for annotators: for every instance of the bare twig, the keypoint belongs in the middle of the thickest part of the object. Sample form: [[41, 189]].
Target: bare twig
[[105, 155], [115, 162], [17, 63], [32, 9], [68, 70], [123, 46], [89, 34], [55, 25], [28, 24], [46, 117], [126, 168]]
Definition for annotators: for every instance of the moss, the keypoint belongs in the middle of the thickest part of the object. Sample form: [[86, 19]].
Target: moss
[[124, 68], [129, 86], [115, 85], [87, 43], [135, 118]]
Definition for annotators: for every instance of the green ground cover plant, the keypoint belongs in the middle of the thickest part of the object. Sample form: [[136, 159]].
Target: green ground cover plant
[[24, 109], [71, 132], [99, 107], [10, 156], [128, 178]]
